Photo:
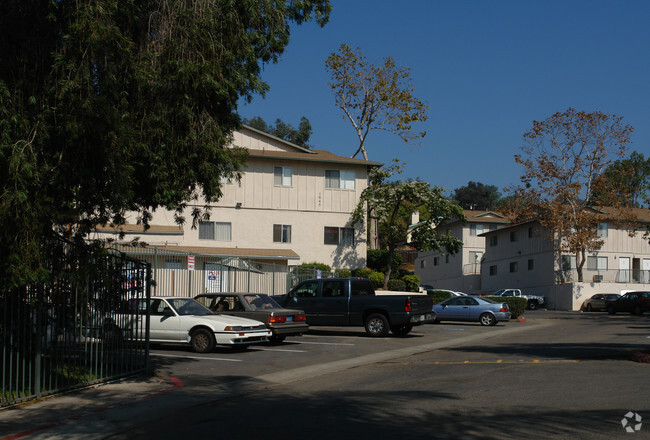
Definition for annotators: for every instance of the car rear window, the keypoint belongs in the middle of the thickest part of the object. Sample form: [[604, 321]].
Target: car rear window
[[362, 287]]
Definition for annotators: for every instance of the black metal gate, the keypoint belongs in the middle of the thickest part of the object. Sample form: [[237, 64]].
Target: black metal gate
[[66, 334]]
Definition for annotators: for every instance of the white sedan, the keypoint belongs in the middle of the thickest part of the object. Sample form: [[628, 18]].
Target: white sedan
[[185, 321]]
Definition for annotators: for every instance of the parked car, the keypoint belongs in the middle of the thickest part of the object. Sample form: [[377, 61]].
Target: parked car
[[468, 308], [599, 301], [353, 302], [532, 301], [633, 302], [185, 321], [260, 307]]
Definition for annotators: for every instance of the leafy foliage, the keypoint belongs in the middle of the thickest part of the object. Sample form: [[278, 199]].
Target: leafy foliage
[[563, 158], [378, 259], [411, 283], [283, 130], [629, 179], [476, 195], [389, 198], [112, 106], [374, 97]]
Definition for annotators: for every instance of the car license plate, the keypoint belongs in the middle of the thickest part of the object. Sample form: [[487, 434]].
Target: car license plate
[[289, 318]]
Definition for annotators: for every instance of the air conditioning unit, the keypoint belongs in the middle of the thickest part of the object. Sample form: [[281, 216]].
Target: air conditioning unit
[[598, 278]]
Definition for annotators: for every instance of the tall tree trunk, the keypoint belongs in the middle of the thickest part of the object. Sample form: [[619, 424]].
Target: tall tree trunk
[[580, 262]]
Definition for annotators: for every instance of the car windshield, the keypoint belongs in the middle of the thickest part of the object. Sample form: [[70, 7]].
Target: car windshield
[[260, 302], [186, 306]]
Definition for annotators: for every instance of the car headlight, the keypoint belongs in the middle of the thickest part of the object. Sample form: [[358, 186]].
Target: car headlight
[[233, 328]]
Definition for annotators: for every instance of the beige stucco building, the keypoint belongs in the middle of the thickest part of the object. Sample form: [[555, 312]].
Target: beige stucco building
[[506, 255], [522, 256], [292, 205], [461, 271]]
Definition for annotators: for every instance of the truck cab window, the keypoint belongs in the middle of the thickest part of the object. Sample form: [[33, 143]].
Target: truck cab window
[[306, 290]]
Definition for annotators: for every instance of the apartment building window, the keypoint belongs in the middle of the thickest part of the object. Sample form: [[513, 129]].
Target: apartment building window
[[531, 264], [339, 236], [494, 240], [436, 261], [339, 179], [282, 176], [568, 262], [597, 263], [219, 231], [514, 266], [476, 229], [282, 233], [447, 259], [530, 232], [493, 270], [514, 235], [602, 230], [423, 264]]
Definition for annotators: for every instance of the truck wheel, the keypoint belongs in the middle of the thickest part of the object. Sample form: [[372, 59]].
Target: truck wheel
[[487, 319], [377, 325], [401, 330], [202, 341], [532, 305], [276, 339]]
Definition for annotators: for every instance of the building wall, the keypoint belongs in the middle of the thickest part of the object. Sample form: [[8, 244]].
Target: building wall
[[514, 248], [255, 204]]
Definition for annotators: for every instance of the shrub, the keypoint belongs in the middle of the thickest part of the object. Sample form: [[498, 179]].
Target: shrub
[[397, 285], [343, 273], [377, 279], [412, 283], [517, 306], [362, 272], [377, 259], [318, 266], [438, 296]]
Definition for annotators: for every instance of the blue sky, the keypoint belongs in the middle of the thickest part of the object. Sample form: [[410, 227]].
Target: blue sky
[[487, 70]]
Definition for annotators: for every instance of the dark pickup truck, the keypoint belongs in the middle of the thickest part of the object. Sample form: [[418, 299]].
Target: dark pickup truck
[[352, 302]]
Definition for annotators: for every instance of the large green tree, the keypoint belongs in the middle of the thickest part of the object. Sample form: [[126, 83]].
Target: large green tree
[[116, 105], [394, 200], [629, 179], [476, 195]]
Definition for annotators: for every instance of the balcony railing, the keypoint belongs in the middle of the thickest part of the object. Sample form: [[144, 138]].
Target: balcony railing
[[628, 276]]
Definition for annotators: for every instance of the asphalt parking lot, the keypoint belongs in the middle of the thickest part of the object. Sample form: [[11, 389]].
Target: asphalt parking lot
[[557, 375]]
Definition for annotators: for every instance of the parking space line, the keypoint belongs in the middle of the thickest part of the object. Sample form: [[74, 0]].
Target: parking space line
[[500, 361], [323, 343], [279, 349], [197, 357]]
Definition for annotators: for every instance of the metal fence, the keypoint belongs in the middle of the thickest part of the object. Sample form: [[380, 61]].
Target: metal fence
[[177, 273], [634, 276], [55, 336]]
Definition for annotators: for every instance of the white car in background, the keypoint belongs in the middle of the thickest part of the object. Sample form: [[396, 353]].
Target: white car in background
[[185, 321]]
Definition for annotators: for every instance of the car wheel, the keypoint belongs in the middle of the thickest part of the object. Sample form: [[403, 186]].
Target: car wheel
[[637, 311], [532, 305], [487, 319], [277, 339], [377, 325], [202, 341], [436, 320], [589, 308], [610, 310], [401, 330]]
